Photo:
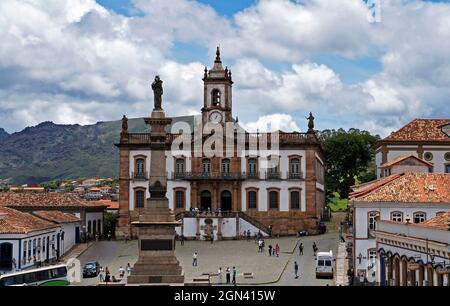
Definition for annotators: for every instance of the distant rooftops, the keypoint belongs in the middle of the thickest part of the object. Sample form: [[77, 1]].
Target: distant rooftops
[[406, 187], [402, 158], [47, 200], [421, 130]]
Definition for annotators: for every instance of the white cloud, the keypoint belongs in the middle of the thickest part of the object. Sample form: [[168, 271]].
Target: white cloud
[[59, 60], [270, 123]]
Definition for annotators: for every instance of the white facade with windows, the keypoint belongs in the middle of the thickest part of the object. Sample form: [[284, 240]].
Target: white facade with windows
[[364, 215]]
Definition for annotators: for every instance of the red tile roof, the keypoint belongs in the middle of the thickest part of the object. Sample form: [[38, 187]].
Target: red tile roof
[[109, 203], [407, 187], [402, 158], [47, 200], [441, 222], [15, 222], [421, 130], [56, 216]]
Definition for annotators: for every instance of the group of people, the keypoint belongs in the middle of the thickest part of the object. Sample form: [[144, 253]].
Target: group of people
[[230, 275], [106, 277], [274, 251]]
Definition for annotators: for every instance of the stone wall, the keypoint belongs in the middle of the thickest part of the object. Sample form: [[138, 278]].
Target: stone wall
[[286, 222]]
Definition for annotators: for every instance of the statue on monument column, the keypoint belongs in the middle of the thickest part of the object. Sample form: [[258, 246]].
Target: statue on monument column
[[310, 122], [124, 124], [158, 92]]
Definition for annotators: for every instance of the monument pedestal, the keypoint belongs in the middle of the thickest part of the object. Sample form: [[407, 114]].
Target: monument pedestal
[[157, 262]]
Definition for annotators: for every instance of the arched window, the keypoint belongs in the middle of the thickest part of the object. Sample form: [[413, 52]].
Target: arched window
[[140, 199], [397, 216], [179, 167], [419, 217], [225, 166], [179, 199], [273, 199], [140, 166], [252, 167], [295, 165], [206, 166], [252, 199], [295, 199], [372, 220], [215, 97]]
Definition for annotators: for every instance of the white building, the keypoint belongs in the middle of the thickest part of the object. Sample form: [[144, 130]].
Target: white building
[[412, 254], [414, 196], [428, 139], [26, 240]]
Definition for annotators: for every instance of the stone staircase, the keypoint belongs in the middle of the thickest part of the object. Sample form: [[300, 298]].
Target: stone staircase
[[263, 228]]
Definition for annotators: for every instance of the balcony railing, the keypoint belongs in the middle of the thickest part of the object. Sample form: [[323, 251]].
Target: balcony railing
[[252, 175], [273, 175], [139, 176], [214, 176], [295, 175]]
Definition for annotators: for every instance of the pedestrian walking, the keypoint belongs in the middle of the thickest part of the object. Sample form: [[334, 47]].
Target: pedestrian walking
[[219, 275], [295, 269], [128, 269], [107, 275], [259, 245], [228, 276], [212, 238], [121, 272], [182, 239], [101, 275], [277, 250], [314, 248], [126, 238], [249, 235], [234, 275], [270, 250], [300, 249], [194, 259], [109, 236]]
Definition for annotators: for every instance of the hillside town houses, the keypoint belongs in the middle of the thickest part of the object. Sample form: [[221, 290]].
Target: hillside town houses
[[400, 231]]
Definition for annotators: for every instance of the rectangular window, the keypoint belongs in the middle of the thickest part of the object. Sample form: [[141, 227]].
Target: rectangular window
[[273, 199], [179, 199], [372, 220], [295, 200], [252, 204], [140, 199]]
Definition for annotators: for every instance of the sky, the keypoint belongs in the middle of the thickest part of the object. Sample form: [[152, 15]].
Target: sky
[[368, 64]]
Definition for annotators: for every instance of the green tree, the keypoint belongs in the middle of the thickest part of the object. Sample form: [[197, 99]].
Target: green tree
[[349, 159]]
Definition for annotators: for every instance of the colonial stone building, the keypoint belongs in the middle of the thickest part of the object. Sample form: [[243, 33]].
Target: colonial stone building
[[427, 139], [264, 182]]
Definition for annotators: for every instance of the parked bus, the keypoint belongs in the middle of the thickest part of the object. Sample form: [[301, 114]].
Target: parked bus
[[47, 276], [325, 264]]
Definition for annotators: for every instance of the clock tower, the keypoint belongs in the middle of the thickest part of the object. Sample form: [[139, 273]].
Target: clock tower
[[217, 101]]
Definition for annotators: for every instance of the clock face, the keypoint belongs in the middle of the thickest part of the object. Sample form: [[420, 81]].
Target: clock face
[[215, 117]]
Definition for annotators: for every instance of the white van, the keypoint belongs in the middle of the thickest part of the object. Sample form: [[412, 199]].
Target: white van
[[325, 264]]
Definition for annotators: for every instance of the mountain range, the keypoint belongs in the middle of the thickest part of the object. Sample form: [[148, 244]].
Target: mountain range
[[51, 151]]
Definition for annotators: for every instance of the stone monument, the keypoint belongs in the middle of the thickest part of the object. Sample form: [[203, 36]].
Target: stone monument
[[157, 262]]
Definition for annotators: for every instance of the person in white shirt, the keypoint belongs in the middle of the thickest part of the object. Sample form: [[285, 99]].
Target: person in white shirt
[[219, 274], [194, 259]]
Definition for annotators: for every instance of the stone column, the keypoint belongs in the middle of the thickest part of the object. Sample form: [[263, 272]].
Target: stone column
[[235, 197], [237, 226], [123, 224], [421, 274], [197, 234], [194, 195], [219, 228]]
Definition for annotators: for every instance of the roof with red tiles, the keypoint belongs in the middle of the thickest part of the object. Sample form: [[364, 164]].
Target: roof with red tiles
[[56, 216], [15, 222], [421, 130], [407, 187], [367, 188], [441, 222], [402, 158], [109, 203], [47, 200]]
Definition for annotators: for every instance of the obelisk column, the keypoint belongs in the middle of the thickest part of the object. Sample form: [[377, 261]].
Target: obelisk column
[[157, 262]]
